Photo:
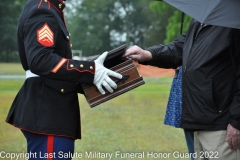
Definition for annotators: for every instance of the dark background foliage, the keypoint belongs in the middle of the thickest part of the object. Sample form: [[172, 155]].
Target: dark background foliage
[[98, 26]]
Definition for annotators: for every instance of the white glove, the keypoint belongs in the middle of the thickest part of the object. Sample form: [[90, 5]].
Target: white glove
[[102, 75]]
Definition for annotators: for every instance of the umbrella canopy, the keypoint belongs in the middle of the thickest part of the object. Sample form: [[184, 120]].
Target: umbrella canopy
[[224, 13]]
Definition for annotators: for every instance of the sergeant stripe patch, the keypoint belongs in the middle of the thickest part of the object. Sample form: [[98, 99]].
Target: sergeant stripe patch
[[45, 36], [59, 65]]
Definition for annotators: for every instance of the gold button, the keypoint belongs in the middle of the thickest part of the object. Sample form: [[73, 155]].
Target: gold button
[[81, 66], [71, 45], [91, 67], [71, 65], [60, 5], [45, 0], [67, 37], [62, 90]]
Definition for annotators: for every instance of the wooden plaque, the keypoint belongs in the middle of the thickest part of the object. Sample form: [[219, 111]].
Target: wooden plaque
[[131, 78]]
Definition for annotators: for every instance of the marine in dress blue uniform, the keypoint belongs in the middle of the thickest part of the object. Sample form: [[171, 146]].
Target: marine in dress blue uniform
[[46, 108]]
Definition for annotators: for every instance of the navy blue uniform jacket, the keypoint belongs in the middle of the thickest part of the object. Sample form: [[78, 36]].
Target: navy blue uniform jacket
[[210, 58], [48, 104]]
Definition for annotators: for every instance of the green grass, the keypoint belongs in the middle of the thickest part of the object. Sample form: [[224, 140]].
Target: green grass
[[129, 123], [11, 69]]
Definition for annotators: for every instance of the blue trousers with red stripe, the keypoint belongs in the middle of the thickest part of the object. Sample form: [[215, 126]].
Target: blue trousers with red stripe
[[48, 147]]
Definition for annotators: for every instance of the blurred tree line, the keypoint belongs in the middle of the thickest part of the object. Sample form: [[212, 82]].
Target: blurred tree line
[[98, 26]]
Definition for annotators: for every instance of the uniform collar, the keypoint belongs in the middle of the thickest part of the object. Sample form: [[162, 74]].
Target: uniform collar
[[58, 4]]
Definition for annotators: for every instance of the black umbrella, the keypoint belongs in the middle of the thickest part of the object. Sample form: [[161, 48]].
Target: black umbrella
[[224, 13]]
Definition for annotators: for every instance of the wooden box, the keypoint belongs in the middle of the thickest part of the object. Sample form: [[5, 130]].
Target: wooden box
[[131, 78]]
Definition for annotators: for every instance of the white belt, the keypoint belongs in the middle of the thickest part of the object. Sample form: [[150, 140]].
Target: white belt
[[29, 74]]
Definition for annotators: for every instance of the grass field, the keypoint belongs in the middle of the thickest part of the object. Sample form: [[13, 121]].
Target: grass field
[[131, 123], [11, 69]]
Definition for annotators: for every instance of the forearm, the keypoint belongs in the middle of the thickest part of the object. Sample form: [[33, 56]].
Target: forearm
[[166, 56]]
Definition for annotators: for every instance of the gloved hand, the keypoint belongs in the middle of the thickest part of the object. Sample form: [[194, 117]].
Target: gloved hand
[[102, 74], [233, 137]]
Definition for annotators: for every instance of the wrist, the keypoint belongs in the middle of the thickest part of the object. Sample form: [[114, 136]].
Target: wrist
[[148, 55]]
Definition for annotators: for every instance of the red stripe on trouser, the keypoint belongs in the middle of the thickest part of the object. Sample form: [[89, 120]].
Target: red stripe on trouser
[[50, 142]]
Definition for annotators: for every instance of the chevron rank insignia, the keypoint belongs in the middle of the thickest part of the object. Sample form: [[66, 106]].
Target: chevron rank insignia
[[45, 36]]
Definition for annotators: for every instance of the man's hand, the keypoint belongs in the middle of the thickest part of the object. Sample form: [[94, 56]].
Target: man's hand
[[102, 74], [138, 54], [233, 137]]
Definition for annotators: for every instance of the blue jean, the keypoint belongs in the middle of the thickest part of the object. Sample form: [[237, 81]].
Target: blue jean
[[189, 136]]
